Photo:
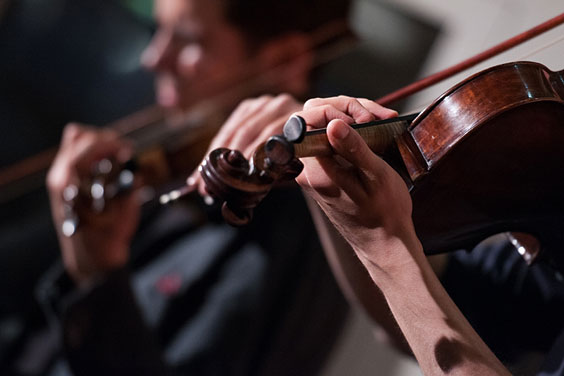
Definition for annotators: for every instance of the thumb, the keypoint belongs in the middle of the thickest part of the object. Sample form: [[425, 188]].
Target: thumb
[[349, 144]]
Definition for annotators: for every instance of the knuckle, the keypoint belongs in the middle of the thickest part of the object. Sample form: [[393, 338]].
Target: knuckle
[[346, 99], [50, 180], [365, 117], [56, 181], [72, 131], [285, 98], [246, 102], [265, 97], [313, 102], [108, 134], [326, 108], [89, 138], [245, 129], [251, 102], [353, 102]]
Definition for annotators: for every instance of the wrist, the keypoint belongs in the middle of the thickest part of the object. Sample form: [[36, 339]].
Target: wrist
[[392, 258], [84, 278], [87, 264]]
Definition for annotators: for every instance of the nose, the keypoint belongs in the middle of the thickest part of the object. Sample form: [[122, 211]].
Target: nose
[[159, 55]]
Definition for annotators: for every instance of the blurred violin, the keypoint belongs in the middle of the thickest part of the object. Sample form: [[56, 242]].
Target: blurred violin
[[165, 146]]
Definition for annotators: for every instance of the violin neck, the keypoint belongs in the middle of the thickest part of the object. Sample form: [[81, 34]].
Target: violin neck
[[379, 135]]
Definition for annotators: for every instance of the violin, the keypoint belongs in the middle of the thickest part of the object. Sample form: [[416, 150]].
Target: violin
[[167, 146], [485, 157]]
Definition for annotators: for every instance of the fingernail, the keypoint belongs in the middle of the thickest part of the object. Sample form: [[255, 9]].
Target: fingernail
[[342, 131], [191, 181]]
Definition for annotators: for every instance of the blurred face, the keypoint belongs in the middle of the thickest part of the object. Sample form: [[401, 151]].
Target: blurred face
[[194, 53]]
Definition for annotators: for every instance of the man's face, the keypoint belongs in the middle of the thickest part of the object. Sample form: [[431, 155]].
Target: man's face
[[194, 53]]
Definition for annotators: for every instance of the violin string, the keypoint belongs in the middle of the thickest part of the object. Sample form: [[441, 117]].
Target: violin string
[[426, 103], [464, 65], [544, 47]]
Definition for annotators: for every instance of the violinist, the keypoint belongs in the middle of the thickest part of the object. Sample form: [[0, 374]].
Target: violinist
[[368, 202], [178, 289]]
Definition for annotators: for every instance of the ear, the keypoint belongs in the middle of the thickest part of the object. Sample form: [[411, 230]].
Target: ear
[[287, 62]]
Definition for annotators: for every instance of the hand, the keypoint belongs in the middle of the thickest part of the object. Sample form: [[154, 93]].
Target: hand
[[361, 194], [370, 205], [252, 122], [101, 242]]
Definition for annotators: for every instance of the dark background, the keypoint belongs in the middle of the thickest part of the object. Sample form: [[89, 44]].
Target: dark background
[[61, 61]]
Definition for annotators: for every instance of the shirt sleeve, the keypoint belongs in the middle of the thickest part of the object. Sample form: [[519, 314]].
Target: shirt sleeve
[[102, 328]]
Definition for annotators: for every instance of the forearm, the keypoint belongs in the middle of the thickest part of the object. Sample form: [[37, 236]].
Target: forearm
[[440, 337], [353, 278], [370, 205]]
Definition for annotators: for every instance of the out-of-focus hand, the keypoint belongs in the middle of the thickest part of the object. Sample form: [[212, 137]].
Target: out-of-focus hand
[[102, 240], [252, 122], [362, 195]]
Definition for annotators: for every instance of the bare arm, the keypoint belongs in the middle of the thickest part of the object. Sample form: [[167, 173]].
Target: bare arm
[[371, 207], [354, 280]]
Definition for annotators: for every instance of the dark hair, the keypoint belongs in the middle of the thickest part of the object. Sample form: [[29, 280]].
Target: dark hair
[[262, 20]]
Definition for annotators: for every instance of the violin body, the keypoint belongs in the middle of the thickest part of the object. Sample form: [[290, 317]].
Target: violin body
[[488, 157]]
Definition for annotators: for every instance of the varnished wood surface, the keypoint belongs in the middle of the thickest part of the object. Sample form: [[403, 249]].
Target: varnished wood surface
[[473, 102], [487, 157]]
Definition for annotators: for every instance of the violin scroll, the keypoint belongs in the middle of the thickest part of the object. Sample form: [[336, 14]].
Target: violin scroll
[[241, 184]]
